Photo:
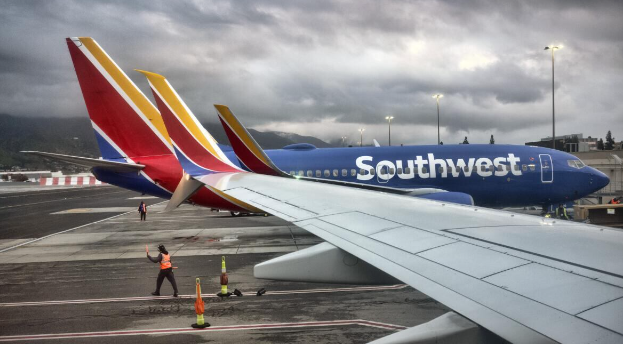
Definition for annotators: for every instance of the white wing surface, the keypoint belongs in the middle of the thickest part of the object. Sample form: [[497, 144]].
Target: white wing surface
[[526, 279]]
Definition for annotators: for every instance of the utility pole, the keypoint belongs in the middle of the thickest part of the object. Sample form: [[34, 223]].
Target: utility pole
[[389, 119], [553, 48], [437, 96]]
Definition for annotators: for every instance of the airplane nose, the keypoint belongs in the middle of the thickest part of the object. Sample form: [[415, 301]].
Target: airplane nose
[[599, 179]]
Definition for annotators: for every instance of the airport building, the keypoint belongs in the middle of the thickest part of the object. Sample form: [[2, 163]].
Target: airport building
[[569, 143]]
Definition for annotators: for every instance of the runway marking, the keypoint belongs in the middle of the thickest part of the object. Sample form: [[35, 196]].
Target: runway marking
[[93, 210], [192, 296], [65, 188], [144, 197], [56, 200], [65, 231], [359, 322]]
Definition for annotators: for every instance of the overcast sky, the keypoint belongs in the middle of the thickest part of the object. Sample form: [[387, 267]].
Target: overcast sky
[[328, 68]]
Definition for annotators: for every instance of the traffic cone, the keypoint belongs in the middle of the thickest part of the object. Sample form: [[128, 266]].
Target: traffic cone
[[224, 280], [199, 309]]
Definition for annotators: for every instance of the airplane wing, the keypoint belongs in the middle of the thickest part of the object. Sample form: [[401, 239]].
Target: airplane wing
[[376, 143], [90, 162], [526, 279]]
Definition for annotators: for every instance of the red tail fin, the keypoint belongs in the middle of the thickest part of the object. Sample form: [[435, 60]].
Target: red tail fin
[[126, 124]]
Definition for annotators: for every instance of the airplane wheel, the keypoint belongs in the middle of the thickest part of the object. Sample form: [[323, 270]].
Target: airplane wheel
[[234, 213]]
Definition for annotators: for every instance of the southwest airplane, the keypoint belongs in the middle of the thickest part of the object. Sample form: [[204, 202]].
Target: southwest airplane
[[525, 279], [491, 175], [138, 154]]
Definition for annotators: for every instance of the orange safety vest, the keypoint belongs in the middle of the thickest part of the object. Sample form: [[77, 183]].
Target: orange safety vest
[[165, 263]]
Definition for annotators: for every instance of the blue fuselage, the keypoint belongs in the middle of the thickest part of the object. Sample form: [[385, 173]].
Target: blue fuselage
[[494, 175]]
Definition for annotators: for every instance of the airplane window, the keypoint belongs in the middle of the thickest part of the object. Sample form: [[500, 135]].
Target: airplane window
[[516, 167], [465, 169], [372, 171], [424, 170], [310, 173], [532, 167], [301, 173], [353, 172], [399, 170], [575, 163], [391, 170], [407, 170], [440, 169], [318, 173], [292, 173], [344, 172], [336, 173], [524, 167], [327, 173]]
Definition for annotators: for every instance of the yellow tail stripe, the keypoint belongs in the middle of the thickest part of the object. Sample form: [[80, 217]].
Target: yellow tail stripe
[[146, 107], [239, 130], [161, 85]]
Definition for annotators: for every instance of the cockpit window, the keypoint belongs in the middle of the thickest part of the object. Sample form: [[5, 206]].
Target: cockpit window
[[576, 163]]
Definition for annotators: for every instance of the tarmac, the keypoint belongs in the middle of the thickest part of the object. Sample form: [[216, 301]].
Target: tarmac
[[74, 268]]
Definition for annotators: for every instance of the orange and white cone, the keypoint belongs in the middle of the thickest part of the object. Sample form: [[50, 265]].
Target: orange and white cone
[[224, 280], [199, 309]]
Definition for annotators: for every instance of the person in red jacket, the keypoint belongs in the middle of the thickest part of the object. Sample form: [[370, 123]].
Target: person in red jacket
[[142, 209], [166, 270]]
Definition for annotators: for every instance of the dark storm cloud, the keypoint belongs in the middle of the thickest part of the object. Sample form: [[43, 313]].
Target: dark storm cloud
[[346, 61]]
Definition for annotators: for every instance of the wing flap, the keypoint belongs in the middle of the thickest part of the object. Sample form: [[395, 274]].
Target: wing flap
[[90, 162], [563, 290]]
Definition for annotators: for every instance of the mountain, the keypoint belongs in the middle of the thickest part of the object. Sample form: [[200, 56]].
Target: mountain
[[74, 136], [267, 139]]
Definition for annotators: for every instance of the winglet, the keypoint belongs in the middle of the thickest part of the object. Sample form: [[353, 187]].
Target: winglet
[[196, 150], [246, 148]]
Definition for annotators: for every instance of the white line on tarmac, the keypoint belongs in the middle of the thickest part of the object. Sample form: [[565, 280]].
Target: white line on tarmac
[[65, 231], [55, 200], [192, 296], [359, 322]]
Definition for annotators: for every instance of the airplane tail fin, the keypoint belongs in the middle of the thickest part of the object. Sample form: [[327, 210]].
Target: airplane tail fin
[[247, 149], [195, 148], [126, 123]]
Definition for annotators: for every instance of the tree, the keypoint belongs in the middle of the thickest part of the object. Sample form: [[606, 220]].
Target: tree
[[609, 144], [600, 144], [465, 142], [491, 140]]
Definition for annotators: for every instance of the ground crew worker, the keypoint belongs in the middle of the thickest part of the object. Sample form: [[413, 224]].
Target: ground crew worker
[[166, 270], [142, 209], [616, 200], [561, 212]]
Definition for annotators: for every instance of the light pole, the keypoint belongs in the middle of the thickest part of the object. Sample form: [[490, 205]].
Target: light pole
[[361, 130], [437, 96], [552, 48], [343, 140], [389, 119]]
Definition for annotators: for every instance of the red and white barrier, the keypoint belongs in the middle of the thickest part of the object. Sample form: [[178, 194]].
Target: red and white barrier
[[45, 181]]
